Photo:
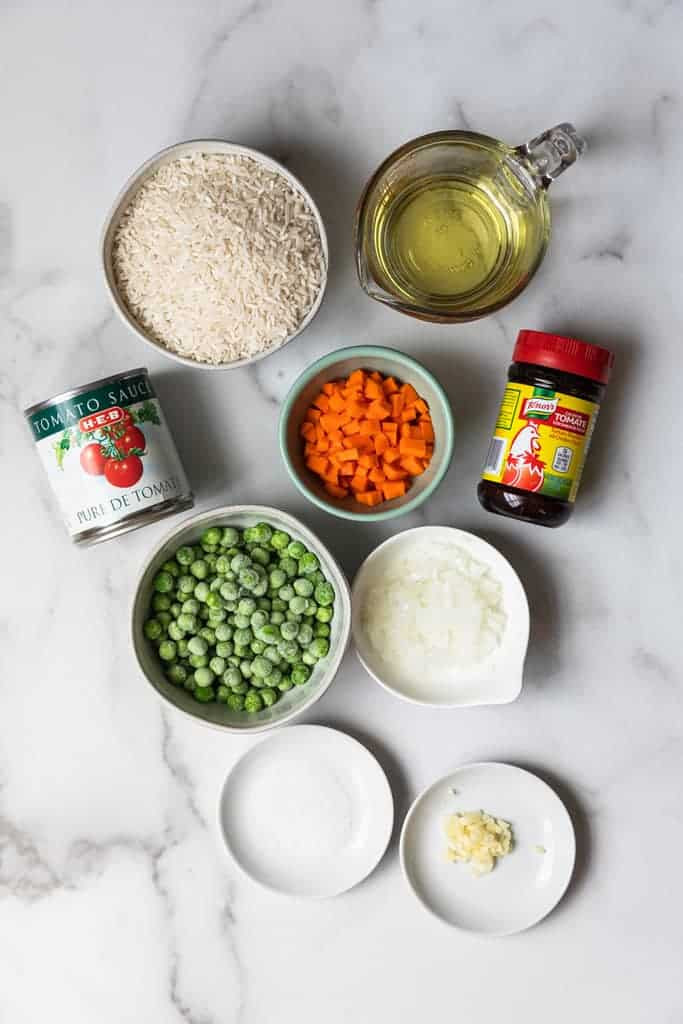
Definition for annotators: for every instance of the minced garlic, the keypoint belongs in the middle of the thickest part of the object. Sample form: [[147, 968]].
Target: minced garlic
[[476, 838]]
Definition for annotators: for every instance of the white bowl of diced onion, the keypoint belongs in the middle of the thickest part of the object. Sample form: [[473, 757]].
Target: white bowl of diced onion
[[440, 618]]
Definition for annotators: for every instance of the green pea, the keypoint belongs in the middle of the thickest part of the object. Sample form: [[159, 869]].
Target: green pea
[[249, 578], [197, 645], [297, 605], [285, 684], [304, 588], [258, 619], [269, 634], [261, 667], [321, 629], [230, 536], [204, 694], [246, 670], [177, 674], [191, 606], [175, 632], [217, 665], [240, 561], [320, 647], [277, 578], [199, 569], [164, 582], [208, 634], [214, 600], [161, 603], [217, 615], [222, 565], [304, 635], [324, 594], [246, 606], [232, 676], [262, 533], [289, 566], [289, 650], [276, 618], [308, 564], [241, 621], [272, 654], [242, 637], [260, 555], [213, 535], [186, 585], [198, 660], [223, 631], [164, 618], [190, 684], [274, 678], [269, 696], [258, 646], [203, 676], [289, 630], [252, 702], [201, 592], [183, 650], [286, 593], [224, 648], [240, 687], [263, 603], [188, 622], [278, 605], [308, 658], [300, 674], [280, 540], [167, 650], [185, 555], [295, 549], [152, 629], [324, 614], [210, 560], [222, 694], [293, 617], [229, 590], [235, 702]]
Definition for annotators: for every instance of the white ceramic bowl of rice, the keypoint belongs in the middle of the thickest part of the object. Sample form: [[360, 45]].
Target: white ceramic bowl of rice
[[215, 254], [440, 618]]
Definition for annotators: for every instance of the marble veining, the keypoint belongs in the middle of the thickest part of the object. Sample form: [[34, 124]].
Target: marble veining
[[117, 902]]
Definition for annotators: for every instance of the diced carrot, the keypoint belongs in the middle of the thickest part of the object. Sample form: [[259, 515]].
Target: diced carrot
[[330, 421], [322, 402], [373, 389], [410, 394], [336, 437], [381, 443], [348, 469], [377, 476], [390, 386], [318, 463], [359, 441], [408, 413], [392, 455], [313, 415], [337, 403], [307, 430], [329, 389], [379, 411], [356, 379], [397, 402], [368, 461], [323, 445], [358, 408], [411, 446], [349, 455], [427, 430], [421, 406], [359, 480], [367, 427], [412, 465], [392, 473], [369, 497], [352, 427], [391, 430], [335, 491], [393, 489]]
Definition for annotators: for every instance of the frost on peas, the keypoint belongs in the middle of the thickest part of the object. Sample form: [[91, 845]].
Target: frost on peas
[[246, 669], [198, 660], [289, 566], [229, 590], [269, 634], [241, 621], [297, 605], [320, 647], [240, 687], [304, 635], [289, 630], [246, 606], [164, 582], [295, 549], [197, 645], [240, 561], [277, 618], [272, 654], [210, 560], [232, 677], [175, 632], [262, 533], [216, 583], [257, 646], [230, 537], [242, 651], [167, 650], [217, 615], [161, 603], [261, 667], [242, 637], [224, 649], [249, 578], [277, 578], [308, 564], [275, 677], [186, 585], [280, 540], [191, 606], [188, 622], [182, 648], [223, 565], [223, 631], [185, 555], [203, 676], [199, 569], [258, 619], [269, 696], [217, 665], [324, 594], [303, 587], [292, 617], [208, 634], [152, 629], [286, 592], [201, 591], [289, 650]]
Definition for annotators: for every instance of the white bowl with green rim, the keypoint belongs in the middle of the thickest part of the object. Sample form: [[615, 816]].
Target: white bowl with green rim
[[296, 700], [337, 365]]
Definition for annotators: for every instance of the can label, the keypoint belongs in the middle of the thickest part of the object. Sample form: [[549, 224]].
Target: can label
[[540, 441], [108, 453]]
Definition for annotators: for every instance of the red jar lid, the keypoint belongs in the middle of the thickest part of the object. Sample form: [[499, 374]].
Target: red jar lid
[[566, 354]]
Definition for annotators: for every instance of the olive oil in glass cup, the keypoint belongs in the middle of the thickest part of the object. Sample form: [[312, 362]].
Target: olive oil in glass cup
[[453, 225]]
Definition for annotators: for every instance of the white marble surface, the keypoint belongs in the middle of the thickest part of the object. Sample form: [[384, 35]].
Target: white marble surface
[[116, 902]]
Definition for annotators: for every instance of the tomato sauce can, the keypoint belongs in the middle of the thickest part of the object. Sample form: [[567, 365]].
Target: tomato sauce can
[[110, 457]]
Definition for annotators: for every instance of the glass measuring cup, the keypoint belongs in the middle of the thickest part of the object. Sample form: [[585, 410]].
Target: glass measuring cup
[[453, 225]]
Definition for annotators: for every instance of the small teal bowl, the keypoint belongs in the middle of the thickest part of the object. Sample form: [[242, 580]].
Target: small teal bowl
[[340, 364]]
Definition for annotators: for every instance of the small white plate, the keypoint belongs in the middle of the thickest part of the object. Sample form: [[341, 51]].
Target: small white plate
[[524, 886], [307, 812]]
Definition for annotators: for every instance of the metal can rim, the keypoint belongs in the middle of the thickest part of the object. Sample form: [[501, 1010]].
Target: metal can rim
[[64, 396]]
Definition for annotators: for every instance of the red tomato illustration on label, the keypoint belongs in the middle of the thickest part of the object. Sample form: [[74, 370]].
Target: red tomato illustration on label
[[132, 437], [530, 474], [93, 460], [123, 472]]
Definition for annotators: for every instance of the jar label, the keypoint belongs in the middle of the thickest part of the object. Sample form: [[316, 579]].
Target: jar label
[[540, 441]]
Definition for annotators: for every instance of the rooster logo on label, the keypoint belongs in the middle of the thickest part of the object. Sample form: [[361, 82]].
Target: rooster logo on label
[[523, 468]]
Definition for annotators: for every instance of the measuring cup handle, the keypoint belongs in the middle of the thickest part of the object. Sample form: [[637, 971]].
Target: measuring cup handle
[[553, 151]]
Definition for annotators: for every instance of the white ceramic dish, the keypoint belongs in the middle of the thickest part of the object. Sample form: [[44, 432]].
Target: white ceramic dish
[[495, 680], [297, 699], [524, 886], [121, 203], [307, 812]]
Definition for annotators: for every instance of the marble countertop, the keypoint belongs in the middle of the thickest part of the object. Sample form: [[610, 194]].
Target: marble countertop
[[117, 903]]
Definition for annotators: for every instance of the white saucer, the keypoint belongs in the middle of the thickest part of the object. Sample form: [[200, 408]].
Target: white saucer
[[524, 886], [307, 811]]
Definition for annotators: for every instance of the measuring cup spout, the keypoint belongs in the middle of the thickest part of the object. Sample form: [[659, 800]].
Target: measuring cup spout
[[552, 152]]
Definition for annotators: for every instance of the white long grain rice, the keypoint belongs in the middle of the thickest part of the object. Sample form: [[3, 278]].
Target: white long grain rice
[[218, 258]]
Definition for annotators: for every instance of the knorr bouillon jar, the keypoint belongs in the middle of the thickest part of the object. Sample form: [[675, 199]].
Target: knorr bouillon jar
[[544, 427]]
